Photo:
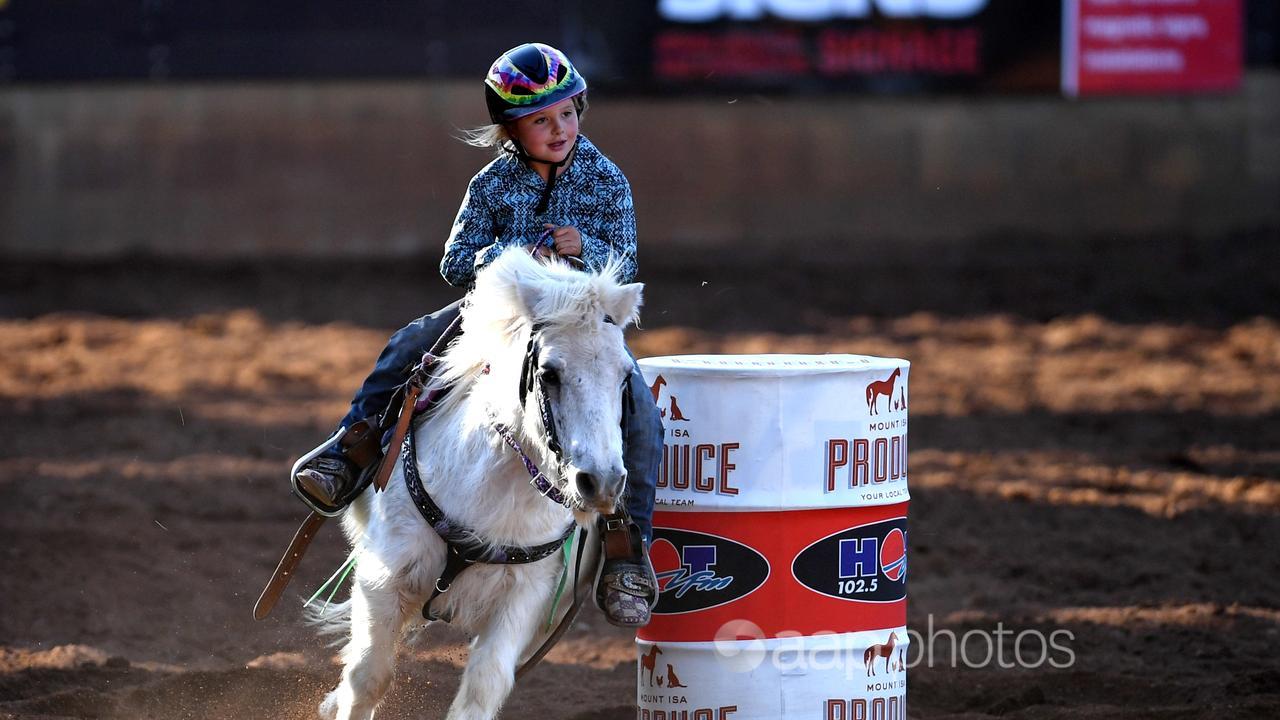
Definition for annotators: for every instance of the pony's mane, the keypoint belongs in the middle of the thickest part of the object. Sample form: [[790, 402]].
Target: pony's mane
[[496, 313]]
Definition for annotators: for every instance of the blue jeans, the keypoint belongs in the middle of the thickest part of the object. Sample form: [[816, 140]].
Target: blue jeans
[[642, 447], [402, 353]]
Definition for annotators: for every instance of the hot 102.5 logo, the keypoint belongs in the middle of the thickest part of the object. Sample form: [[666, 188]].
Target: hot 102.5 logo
[[867, 563]]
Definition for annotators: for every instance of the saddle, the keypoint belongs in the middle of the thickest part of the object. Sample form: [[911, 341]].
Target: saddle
[[363, 444]]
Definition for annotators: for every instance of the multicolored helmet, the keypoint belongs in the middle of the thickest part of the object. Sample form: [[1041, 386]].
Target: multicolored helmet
[[529, 78]]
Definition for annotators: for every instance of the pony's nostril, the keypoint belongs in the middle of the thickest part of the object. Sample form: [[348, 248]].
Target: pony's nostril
[[587, 485]]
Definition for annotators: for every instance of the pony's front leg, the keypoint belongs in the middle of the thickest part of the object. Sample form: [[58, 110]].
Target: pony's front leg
[[369, 657], [491, 668]]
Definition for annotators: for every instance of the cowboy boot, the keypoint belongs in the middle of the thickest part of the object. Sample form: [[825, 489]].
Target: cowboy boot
[[327, 480], [626, 588]]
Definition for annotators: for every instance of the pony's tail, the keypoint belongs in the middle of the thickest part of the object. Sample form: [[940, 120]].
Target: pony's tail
[[333, 619], [330, 619], [326, 616]]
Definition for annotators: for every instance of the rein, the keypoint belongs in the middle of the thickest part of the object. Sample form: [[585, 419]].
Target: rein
[[536, 478]]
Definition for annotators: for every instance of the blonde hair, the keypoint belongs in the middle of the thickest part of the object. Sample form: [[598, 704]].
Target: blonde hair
[[490, 136], [498, 137]]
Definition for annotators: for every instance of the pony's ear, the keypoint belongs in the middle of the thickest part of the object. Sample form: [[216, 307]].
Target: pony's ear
[[623, 303], [510, 284], [530, 294], [539, 296]]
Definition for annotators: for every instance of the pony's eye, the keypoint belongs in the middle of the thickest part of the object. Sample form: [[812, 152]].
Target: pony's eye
[[550, 377]]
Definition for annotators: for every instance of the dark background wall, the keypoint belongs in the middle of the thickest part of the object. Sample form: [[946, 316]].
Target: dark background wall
[[373, 169], [327, 129]]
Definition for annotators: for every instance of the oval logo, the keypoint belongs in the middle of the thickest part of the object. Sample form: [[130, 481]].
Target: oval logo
[[697, 571], [893, 555], [867, 563]]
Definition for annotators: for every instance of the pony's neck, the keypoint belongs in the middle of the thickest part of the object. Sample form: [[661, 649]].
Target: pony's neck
[[478, 480]]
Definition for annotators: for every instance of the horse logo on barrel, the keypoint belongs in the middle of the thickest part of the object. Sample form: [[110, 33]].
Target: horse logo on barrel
[[675, 414], [884, 388], [884, 650], [649, 662], [649, 666]]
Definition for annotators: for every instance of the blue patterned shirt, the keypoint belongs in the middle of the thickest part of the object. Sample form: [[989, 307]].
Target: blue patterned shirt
[[497, 212]]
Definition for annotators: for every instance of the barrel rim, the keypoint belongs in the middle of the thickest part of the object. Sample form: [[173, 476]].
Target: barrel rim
[[772, 364]]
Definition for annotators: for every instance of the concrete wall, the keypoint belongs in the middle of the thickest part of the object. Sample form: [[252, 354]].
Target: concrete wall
[[371, 169]]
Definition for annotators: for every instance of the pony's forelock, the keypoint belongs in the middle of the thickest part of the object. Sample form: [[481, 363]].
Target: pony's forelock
[[517, 291]]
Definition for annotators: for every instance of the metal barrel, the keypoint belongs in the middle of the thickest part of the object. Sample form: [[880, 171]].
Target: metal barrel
[[780, 537]]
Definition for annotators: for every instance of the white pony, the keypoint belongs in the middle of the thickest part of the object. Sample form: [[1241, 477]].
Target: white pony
[[483, 485]]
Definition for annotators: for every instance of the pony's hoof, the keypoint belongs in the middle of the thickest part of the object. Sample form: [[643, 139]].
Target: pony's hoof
[[328, 709]]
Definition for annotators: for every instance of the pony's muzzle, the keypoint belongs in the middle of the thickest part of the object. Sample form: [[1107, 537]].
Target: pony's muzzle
[[600, 491]]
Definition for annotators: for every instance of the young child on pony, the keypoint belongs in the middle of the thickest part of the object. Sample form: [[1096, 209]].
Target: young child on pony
[[550, 190]]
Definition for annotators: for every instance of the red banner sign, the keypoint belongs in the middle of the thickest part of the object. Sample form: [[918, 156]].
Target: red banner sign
[[833, 570], [1151, 46]]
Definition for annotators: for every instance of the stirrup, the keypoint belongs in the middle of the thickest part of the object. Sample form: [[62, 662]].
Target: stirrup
[[635, 590], [630, 576], [311, 501]]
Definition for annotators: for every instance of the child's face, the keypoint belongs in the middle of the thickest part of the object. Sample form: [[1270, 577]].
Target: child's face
[[549, 133]]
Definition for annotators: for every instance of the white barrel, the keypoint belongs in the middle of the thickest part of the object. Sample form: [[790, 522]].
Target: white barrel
[[779, 539]]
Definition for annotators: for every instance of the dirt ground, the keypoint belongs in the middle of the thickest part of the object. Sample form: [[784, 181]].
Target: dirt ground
[[1095, 448]]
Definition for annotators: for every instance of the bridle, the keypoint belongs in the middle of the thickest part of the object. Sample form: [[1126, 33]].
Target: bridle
[[463, 547], [531, 381]]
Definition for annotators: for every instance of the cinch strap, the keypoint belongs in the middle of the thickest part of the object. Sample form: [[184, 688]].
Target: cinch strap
[[464, 549]]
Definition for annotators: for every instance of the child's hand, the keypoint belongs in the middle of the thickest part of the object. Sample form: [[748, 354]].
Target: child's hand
[[539, 250], [566, 238]]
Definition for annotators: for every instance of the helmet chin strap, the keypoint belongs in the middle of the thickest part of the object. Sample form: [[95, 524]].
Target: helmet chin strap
[[523, 154]]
